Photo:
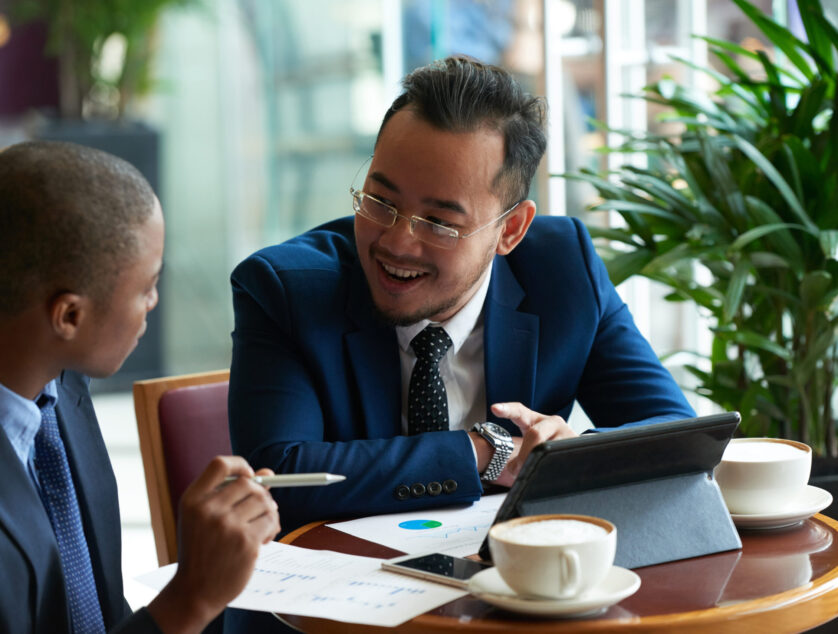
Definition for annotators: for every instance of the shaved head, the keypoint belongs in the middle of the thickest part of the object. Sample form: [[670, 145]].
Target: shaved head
[[68, 220]]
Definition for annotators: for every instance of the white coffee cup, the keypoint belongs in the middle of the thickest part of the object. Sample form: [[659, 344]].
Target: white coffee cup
[[763, 475], [553, 556]]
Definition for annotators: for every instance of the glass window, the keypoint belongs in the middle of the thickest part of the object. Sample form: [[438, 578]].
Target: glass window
[[268, 110]]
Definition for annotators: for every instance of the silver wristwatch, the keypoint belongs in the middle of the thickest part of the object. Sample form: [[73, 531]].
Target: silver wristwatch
[[501, 442]]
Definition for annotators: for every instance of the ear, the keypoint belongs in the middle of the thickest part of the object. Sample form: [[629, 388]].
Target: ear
[[515, 226], [67, 312]]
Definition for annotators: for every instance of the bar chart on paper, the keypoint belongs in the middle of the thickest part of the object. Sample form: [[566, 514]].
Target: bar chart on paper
[[457, 531]]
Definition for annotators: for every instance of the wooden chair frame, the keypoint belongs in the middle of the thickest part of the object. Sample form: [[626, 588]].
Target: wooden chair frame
[[147, 396]]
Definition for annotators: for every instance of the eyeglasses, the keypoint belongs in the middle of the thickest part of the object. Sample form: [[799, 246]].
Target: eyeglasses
[[427, 231]]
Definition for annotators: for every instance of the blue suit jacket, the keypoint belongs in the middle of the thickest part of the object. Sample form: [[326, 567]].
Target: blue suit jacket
[[32, 591], [315, 382]]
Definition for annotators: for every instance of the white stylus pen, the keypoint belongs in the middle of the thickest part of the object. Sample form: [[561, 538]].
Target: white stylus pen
[[293, 479]]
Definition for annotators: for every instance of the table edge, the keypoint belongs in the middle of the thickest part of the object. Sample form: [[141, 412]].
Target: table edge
[[719, 617]]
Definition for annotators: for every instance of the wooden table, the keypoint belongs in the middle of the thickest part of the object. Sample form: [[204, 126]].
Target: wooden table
[[781, 581]]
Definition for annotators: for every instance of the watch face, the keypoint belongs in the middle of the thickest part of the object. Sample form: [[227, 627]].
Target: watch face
[[496, 429]]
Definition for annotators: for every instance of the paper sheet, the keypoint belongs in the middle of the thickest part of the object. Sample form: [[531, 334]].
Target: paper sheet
[[330, 585], [457, 531]]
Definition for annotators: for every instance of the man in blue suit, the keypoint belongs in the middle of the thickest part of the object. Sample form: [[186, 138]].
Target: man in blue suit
[[326, 373], [81, 246]]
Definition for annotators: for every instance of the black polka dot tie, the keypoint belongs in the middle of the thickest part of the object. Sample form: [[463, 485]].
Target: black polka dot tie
[[59, 497], [427, 402]]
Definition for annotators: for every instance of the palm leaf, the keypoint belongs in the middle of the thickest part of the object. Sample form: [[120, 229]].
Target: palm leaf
[[821, 34], [719, 46], [623, 266], [663, 191], [754, 340], [814, 287], [617, 235], [641, 208], [735, 289], [745, 96], [781, 240], [810, 104], [782, 38], [758, 232], [777, 179], [829, 243], [768, 260], [717, 165]]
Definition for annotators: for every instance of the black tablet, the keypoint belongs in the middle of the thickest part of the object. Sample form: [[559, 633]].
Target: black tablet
[[654, 482]]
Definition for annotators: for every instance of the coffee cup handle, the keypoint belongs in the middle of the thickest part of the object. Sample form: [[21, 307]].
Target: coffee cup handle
[[569, 576]]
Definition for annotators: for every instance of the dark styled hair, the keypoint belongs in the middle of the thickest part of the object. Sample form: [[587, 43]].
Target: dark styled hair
[[68, 216], [462, 94]]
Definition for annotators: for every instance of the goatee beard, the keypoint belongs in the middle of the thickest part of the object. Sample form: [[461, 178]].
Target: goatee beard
[[408, 320]]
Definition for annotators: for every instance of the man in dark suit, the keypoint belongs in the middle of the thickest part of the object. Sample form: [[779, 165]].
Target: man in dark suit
[[444, 254], [81, 246]]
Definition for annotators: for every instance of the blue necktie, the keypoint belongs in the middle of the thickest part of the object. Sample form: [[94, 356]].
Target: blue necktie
[[427, 400], [59, 497]]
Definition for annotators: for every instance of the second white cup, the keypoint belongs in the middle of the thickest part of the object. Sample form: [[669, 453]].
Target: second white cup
[[763, 475]]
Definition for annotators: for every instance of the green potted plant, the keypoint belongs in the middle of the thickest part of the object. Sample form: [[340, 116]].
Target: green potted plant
[[103, 49], [738, 213]]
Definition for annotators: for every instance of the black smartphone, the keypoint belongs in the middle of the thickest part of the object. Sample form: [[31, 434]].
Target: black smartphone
[[452, 571]]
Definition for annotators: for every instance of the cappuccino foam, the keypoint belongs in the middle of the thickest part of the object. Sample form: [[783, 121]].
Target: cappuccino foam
[[552, 532], [760, 451]]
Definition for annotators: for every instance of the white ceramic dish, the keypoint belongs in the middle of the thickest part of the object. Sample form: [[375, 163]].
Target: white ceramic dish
[[811, 501], [618, 584]]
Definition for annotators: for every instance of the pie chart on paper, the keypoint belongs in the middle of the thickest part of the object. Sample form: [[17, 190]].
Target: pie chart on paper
[[419, 525]]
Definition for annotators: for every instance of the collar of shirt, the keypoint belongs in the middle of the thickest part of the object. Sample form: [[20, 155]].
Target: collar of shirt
[[20, 418], [459, 327]]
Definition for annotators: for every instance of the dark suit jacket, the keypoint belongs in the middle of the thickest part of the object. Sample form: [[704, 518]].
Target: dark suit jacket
[[32, 592], [315, 382]]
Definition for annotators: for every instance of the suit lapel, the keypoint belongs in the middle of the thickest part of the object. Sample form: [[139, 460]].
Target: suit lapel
[[510, 341], [24, 519], [374, 355], [21, 509], [95, 488]]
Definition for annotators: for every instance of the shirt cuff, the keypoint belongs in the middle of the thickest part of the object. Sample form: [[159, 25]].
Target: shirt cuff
[[473, 451]]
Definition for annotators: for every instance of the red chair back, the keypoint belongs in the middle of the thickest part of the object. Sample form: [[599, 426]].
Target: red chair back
[[193, 428], [182, 424]]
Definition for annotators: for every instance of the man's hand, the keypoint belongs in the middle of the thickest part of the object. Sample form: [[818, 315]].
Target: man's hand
[[219, 535], [536, 428]]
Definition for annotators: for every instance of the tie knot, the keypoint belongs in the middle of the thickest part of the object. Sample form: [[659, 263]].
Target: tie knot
[[431, 344], [49, 421]]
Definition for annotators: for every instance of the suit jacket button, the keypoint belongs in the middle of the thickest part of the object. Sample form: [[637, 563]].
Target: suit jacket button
[[449, 486], [402, 492], [417, 490], [434, 488]]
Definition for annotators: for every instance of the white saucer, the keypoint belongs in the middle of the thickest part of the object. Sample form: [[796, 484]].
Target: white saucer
[[813, 500], [618, 584]]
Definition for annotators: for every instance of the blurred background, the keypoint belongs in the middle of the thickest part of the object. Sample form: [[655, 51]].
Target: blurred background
[[251, 117]]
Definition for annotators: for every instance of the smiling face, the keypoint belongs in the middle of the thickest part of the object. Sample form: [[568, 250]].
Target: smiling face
[[114, 325], [442, 176]]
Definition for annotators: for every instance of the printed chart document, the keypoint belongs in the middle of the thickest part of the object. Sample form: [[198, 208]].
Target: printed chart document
[[456, 531], [329, 585]]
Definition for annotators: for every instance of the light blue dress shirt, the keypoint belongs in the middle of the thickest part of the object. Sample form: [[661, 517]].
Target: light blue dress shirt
[[20, 418]]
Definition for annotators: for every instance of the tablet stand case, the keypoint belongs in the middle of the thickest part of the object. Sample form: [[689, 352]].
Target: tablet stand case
[[654, 482]]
